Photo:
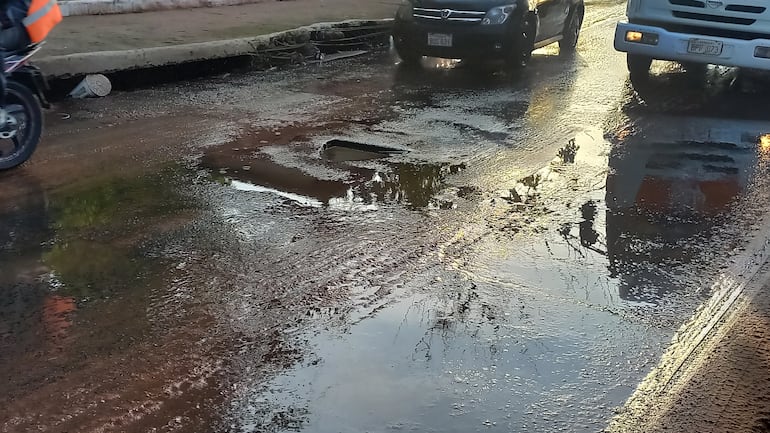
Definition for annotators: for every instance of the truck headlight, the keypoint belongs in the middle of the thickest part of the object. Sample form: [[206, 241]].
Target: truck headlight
[[646, 38], [498, 15]]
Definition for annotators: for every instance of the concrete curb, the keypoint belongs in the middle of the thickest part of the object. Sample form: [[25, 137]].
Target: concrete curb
[[104, 7], [105, 62]]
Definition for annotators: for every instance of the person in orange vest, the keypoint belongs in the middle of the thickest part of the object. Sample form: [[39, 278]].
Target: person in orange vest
[[24, 22]]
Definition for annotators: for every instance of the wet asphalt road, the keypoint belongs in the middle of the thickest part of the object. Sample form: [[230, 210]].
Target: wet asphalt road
[[190, 258]]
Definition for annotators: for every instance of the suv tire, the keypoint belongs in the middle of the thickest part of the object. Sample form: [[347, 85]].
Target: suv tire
[[521, 51], [409, 57], [571, 32]]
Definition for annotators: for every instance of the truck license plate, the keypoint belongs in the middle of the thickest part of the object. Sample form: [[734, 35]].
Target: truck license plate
[[705, 47], [439, 40]]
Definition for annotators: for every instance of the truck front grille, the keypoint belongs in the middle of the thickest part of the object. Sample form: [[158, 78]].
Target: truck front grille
[[715, 11], [714, 18], [704, 31], [690, 3], [748, 9], [745, 8]]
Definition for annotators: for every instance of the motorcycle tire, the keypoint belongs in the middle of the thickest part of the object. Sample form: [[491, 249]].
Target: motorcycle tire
[[20, 100]]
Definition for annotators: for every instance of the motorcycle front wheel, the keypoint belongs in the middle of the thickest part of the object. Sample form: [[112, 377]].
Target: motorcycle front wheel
[[19, 138]]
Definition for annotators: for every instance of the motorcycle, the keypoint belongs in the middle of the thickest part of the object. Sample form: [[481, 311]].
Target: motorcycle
[[25, 99]]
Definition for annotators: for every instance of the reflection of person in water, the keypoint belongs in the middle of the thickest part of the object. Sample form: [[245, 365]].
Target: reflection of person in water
[[25, 301], [588, 236], [57, 317]]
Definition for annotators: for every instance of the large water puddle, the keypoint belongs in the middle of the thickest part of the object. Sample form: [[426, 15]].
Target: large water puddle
[[552, 301]]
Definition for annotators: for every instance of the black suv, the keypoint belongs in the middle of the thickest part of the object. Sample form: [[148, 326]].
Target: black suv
[[482, 29]]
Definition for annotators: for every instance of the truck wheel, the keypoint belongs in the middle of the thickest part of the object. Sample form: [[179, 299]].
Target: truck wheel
[[571, 31], [695, 70], [638, 66]]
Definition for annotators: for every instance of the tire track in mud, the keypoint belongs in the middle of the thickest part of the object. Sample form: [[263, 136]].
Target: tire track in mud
[[271, 290]]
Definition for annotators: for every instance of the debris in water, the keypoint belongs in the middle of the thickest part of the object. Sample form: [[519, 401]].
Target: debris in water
[[95, 85], [325, 58], [567, 153]]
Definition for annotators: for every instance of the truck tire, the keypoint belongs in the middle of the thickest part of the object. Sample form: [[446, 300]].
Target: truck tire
[[695, 70], [638, 66]]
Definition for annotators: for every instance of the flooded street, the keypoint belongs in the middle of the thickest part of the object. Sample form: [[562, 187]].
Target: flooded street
[[356, 246]]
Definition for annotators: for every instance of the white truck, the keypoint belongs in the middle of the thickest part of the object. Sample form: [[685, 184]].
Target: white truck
[[718, 32]]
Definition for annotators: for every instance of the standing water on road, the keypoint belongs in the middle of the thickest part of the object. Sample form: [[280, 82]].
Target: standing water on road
[[520, 265]]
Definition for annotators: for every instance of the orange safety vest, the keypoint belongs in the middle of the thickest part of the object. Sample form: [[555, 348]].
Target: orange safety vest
[[42, 17]]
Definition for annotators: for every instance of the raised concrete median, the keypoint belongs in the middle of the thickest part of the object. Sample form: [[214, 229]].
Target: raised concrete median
[[113, 43]]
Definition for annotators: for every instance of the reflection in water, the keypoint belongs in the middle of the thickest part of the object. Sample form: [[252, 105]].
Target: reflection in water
[[344, 150], [494, 356], [723, 93], [668, 190], [72, 246], [684, 183], [25, 230], [414, 185], [588, 235], [96, 327], [84, 262], [764, 146], [23, 217], [57, 318], [467, 357], [567, 153]]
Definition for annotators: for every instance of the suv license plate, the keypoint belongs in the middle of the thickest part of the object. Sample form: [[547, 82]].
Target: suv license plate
[[705, 47], [439, 40]]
